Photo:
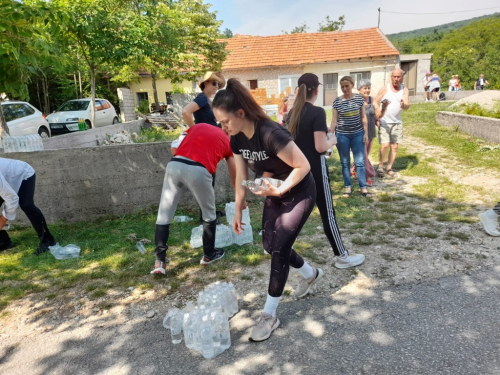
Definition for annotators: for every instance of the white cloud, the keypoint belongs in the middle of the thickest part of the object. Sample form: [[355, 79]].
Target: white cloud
[[270, 17]]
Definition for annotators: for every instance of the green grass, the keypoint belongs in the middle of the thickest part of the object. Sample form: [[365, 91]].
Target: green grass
[[157, 134]]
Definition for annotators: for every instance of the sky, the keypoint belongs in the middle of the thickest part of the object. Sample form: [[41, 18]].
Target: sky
[[270, 17]]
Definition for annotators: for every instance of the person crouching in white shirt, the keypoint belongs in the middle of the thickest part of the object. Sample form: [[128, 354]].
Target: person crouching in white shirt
[[17, 189]]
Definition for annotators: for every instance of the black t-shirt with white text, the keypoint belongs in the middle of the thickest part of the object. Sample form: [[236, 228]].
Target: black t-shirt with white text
[[260, 152]]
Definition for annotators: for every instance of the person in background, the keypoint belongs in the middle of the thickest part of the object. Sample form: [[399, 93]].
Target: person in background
[[394, 99], [452, 83], [268, 149], [364, 88], [350, 125], [307, 124], [458, 85], [481, 83], [17, 189], [434, 86], [425, 82], [201, 107], [489, 219], [191, 169], [282, 110]]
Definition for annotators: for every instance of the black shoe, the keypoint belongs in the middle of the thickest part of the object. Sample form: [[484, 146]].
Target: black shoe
[[218, 254], [7, 245], [43, 248]]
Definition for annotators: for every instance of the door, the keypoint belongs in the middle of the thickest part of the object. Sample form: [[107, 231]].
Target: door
[[100, 115], [410, 77], [108, 111], [330, 87], [253, 84]]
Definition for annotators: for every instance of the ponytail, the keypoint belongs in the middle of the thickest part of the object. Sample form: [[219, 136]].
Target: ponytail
[[296, 112], [236, 97]]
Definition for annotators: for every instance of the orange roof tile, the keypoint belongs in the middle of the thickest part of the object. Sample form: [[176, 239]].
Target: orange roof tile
[[247, 51]]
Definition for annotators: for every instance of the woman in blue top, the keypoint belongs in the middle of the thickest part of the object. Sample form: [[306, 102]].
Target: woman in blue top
[[350, 125], [201, 106]]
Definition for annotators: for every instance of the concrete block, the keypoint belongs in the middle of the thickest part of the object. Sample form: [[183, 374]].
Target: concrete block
[[482, 127]]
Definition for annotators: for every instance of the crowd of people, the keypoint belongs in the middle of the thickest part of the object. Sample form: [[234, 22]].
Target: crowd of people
[[234, 127], [432, 85]]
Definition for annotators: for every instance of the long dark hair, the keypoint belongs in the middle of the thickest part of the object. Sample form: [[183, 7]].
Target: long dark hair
[[296, 112], [236, 97]]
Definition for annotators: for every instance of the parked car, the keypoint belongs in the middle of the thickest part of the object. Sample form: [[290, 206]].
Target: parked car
[[23, 119], [65, 118]]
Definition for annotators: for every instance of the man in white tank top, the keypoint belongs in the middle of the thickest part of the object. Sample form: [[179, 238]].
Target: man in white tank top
[[394, 98]]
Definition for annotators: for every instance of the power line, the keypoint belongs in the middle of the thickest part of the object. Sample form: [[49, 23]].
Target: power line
[[425, 14]]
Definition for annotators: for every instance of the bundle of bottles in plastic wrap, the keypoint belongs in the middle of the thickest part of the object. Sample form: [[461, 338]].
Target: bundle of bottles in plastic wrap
[[206, 327], [22, 143], [224, 235]]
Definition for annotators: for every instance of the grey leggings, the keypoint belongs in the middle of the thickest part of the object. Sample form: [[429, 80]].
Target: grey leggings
[[180, 177]]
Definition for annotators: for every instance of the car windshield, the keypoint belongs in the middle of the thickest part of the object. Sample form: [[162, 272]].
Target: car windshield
[[75, 105]]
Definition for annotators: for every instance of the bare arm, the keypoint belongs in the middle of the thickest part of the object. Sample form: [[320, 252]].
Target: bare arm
[[187, 113], [292, 156], [241, 172], [322, 142], [379, 112], [405, 102], [231, 166], [335, 117]]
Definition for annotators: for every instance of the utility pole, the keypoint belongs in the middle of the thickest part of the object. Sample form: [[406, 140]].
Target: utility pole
[[378, 18]]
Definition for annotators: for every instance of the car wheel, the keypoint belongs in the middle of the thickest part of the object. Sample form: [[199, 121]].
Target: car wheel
[[116, 121], [89, 124], [44, 132]]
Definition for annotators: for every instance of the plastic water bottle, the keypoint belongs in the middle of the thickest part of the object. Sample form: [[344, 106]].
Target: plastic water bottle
[[140, 246], [182, 219], [188, 329], [67, 252], [245, 237], [207, 342], [176, 328], [234, 298], [258, 183], [223, 332], [196, 237], [223, 236]]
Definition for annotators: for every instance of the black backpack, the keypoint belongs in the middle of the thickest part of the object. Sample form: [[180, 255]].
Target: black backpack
[[442, 96]]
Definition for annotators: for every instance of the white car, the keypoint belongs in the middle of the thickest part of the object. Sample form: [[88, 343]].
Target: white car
[[65, 118], [23, 119]]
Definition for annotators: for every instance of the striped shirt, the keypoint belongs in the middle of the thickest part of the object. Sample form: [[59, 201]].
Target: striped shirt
[[349, 114]]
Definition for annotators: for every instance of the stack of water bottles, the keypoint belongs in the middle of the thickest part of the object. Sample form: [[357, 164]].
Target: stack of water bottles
[[22, 143], [206, 327], [224, 235]]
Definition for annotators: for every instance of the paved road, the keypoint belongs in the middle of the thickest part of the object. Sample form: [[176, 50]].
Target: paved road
[[446, 326]]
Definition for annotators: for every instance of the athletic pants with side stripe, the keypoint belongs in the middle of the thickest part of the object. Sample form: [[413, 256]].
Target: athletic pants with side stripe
[[497, 208], [324, 202]]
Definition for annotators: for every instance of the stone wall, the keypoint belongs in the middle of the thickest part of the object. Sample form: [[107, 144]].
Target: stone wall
[[477, 126], [450, 95], [127, 105], [180, 101], [82, 184]]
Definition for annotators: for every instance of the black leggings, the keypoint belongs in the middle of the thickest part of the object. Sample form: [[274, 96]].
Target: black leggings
[[324, 202], [26, 195], [282, 221]]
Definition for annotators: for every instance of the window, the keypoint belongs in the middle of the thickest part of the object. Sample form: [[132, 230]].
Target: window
[[74, 105], [142, 96], [253, 84], [288, 81], [105, 104], [16, 111], [8, 113], [28, 111], [98, 105], [168, 96], [358, 76]]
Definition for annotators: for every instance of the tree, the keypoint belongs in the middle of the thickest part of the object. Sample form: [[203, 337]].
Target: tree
[[470, 51], [331, 25], [226, 34], [297, 29], [23, 44], [104, 31]]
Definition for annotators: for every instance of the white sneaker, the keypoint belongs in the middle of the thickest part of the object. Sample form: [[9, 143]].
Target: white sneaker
[[264, 327], [305, 285], [490, 222], [352, 260]]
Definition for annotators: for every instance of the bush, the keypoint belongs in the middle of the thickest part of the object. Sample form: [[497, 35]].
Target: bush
[[475, 109], [144, 106]]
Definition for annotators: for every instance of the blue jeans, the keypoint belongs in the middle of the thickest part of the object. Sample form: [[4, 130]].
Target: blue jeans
[[354, 142]]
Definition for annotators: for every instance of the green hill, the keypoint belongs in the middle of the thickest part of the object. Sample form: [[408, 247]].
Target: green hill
[[441, 29]]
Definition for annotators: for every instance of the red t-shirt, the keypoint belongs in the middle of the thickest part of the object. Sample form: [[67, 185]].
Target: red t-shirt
[[205, 144]]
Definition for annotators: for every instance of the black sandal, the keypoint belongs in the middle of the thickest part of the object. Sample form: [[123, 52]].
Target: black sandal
[[392, 174], [381, 172], [347, 194], [367, 194]]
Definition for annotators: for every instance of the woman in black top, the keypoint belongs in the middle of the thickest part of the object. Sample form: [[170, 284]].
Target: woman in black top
[[268, 149], [307, 124], [201, 107]]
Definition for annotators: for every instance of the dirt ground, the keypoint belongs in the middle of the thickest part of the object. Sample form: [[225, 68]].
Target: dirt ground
[[407, 254]]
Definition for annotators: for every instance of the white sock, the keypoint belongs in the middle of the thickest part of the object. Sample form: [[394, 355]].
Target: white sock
[[306, 271], [271, 305], [491, 214]]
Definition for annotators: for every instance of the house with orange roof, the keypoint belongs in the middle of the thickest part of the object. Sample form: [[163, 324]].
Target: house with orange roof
[[276, 62]]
